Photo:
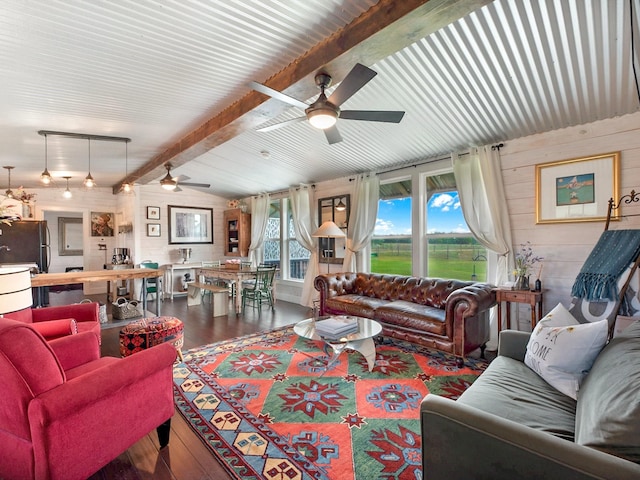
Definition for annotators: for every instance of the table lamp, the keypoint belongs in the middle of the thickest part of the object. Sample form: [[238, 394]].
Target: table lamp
[[328, 230], [15, 289]]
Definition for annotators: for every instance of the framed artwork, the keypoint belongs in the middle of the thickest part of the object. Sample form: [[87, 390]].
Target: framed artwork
[[577, 190], [153, 229], [190, 225], [101, 224], [153, 213]]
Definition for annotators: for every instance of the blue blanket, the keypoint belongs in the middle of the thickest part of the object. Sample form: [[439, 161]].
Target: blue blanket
[[598, 278]]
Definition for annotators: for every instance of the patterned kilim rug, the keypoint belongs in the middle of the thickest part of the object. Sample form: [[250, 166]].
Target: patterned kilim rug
[[267, 407]]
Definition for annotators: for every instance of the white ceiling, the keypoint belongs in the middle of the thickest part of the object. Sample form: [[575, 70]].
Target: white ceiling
[[155, 71]]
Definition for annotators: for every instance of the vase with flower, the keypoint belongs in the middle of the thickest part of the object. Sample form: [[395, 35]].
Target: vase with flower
[[525, 262]]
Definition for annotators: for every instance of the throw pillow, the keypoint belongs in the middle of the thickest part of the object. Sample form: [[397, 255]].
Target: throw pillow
[[561, 350], [608, 412]]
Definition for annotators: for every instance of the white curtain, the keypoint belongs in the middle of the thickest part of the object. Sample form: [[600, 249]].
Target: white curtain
[[305, 224], [479, 181], [362, 222], [259, 218]]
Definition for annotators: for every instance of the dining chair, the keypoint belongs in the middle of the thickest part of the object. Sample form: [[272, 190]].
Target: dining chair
[[261, 291], [211, 280], [154, 285]]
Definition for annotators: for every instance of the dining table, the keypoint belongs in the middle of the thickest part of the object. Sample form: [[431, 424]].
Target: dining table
[[233, 274], [83, 276]]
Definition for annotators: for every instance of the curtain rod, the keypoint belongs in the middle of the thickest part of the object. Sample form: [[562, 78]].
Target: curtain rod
[[433, 160]]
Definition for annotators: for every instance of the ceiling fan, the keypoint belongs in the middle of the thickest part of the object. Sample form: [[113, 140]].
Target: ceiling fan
[[324, 112], [171, 183]]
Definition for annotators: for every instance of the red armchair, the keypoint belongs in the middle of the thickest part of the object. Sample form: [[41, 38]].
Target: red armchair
[[62, 320], [66, 412]]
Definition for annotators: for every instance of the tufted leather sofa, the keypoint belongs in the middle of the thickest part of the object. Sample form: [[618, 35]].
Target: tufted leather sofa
[[448, 315]]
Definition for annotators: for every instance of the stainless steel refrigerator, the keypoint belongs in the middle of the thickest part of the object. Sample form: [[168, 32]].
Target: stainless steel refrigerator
[[25, 242]]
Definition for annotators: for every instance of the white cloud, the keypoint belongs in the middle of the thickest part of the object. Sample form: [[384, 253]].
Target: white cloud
[[383, 227], [445, 202]]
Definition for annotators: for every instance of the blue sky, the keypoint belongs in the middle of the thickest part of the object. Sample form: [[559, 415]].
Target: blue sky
[[443, 215]]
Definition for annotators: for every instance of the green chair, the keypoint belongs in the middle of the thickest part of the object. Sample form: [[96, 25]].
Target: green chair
[[261, 291], [154, 285]]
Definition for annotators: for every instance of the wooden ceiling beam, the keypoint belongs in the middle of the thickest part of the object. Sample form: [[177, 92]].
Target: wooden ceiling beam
[[384, 29]]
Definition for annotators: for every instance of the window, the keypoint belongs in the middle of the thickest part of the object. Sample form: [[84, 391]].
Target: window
[[452, 251], [281, 243], [391, 244]]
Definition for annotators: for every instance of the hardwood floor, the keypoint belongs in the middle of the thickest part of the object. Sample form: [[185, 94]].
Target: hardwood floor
[[186, 457]]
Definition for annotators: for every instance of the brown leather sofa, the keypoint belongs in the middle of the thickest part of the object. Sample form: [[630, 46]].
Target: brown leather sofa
[[448, 315]]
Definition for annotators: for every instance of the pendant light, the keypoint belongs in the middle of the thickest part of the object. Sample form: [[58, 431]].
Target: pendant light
[[45, 177], [67, 193], [341, 206], [9, 193], [126, 186], [88, 181]]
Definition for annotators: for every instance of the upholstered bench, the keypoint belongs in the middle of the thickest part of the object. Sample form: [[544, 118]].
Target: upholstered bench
[[146, 333]]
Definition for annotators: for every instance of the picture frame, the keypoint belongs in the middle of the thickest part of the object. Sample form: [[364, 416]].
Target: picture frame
[[153, 229], [102, 224], [189, 225], [153, 213], [578, 189]]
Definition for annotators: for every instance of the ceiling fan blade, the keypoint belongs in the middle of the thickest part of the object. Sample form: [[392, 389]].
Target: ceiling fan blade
[[281, 124], [192, 184], [182, 178], [333, 135], [357, 78], [372, 115], [277, 95]]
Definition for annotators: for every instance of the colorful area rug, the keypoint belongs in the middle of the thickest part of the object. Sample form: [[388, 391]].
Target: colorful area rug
[[268, 408]]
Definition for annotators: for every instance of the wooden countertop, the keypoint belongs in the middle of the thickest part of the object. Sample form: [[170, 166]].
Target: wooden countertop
[[66, 278]]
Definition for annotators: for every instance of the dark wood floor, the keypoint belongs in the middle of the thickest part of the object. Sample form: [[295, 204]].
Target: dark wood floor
[[186, 457]]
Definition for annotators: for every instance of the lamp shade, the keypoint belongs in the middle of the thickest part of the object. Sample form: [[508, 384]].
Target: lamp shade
[[15, 289], [328, 230]]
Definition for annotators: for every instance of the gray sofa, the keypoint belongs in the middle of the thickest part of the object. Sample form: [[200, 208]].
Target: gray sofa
[[511, 424]]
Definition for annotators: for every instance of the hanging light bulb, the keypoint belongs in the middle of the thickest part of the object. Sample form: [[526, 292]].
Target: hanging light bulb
[[88, 181], [67, 193], [126, 186], [9, 192], [45, 177]]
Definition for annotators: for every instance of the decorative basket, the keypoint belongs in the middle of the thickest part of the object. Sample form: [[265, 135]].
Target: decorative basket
[[122, 309], [102, 310]]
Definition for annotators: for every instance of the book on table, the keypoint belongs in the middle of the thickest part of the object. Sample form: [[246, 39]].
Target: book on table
[[336, 327]]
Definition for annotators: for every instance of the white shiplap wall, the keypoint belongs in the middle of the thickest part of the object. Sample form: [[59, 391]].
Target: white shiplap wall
[[565, 246]]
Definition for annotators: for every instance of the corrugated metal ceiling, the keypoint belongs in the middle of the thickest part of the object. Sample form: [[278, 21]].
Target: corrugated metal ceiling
[[155, 70]]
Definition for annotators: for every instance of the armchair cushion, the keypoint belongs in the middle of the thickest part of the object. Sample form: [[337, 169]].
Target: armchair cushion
[[56, 328]]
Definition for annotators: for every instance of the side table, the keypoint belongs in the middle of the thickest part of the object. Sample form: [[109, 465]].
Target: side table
[[533, 299]]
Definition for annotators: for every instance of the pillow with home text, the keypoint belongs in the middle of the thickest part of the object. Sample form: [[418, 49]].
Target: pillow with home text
[[561, 350]]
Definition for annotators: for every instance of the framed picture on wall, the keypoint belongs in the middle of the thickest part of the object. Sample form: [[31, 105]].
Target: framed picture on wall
[[190, 225], [101, 224], [153, 213], [153, 229], [577, 190]]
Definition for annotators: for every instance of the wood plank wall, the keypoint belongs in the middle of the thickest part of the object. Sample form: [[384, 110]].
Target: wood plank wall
[[565, 246]]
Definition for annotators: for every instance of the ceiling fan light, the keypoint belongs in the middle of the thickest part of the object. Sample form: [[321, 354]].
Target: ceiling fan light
[[168, 183], [341, 207], [45, 177], [322, 118]]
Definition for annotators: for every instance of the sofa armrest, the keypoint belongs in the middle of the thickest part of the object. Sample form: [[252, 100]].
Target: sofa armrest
[[472, 299], [333, 284], [81, 312], [503, 450], [513, 344]]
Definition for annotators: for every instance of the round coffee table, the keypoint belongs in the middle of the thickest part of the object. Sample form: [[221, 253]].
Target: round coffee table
[[359, 341]]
